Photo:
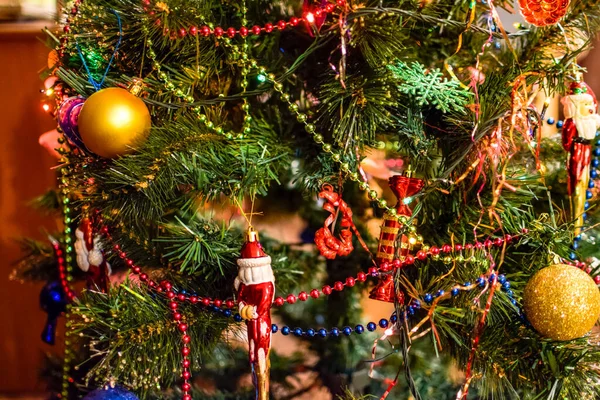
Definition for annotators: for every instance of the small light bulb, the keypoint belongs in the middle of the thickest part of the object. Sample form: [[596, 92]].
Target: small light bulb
[[310, 17], [49, 92], [389, 332], [261, 78], [46, 107]]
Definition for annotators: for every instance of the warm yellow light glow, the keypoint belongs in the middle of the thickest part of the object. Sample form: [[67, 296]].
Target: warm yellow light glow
[[310, 17], [121, 116], [46, 107], [49, 92]]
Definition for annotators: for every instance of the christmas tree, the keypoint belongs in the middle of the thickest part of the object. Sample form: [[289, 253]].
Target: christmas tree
[[406, 135]]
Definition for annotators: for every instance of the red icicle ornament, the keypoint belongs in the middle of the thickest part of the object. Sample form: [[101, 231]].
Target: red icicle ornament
[[403, 186], [255, 286]]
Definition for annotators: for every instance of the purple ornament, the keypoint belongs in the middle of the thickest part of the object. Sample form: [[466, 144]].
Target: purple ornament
[[67, 116]]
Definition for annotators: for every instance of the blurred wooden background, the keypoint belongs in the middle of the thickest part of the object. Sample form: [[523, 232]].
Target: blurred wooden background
[[24, 174]]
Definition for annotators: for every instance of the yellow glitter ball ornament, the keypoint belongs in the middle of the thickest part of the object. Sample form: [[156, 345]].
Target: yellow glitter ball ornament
[[562, 302], [113, 121]]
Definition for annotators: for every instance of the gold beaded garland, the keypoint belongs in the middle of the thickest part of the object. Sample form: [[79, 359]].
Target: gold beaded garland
[[562, 302]]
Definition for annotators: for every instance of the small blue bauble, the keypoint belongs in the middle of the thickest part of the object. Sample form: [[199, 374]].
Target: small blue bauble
[[501, 279], [550, 121], [347, 330], [116, 393], [481, 281], [54, 302], [285, 330], [439, 293], [310, 332], [428, 298], [359, 329], [559, 124], [335, 332], [237, 318], [322, 332], [371, 326], [298, 332], [455, 292], [227, 313], [383, 323], [274, 327]]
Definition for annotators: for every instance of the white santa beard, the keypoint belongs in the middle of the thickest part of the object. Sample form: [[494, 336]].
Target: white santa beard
[[586, 126]]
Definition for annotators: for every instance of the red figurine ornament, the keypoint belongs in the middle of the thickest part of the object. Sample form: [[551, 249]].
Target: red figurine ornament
[[255, 286], [402, 186], [90, 257], [330, 246], [579, 130]]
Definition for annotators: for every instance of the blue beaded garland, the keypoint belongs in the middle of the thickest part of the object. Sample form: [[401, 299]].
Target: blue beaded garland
[[394, 318], [285, 330], [383, 323], [335, 332], [428, 298], [467, 283], [550, 121], [594, 173], [509, 293], [588, 194], [371, 326], [410, 310], [416, 304], [454, 292], [347, 330], [481, 281], [559, 124], [573, 256], [595, 162], [116, 393], [274, 328], [227, 313], [491, 278], [506, 285], [359, 329], [575, 245], [597, 152], [439, 293], [501, 278], [322, 332], [591, 183], [238, 318], [310, 332], [298, 331]]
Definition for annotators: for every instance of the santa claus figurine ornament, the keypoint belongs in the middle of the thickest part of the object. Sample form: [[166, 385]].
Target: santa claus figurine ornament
[[579, 130], [255, 286], [90, 257]]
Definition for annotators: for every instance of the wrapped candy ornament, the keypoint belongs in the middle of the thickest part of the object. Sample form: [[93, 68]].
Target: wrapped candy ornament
[[403, 186], [579, 130], [255, 286]]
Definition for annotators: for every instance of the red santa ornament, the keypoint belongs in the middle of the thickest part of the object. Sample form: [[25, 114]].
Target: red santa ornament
[[90, 257], [255, 286], [579, 130]]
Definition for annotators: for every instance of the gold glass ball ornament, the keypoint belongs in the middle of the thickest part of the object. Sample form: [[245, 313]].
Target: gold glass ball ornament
[[562, 302], [113, 121]]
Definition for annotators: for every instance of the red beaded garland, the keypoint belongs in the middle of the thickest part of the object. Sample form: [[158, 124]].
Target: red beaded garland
[[302, 296], [291, 299], [327, 290], [314, 294], [350, 281]]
